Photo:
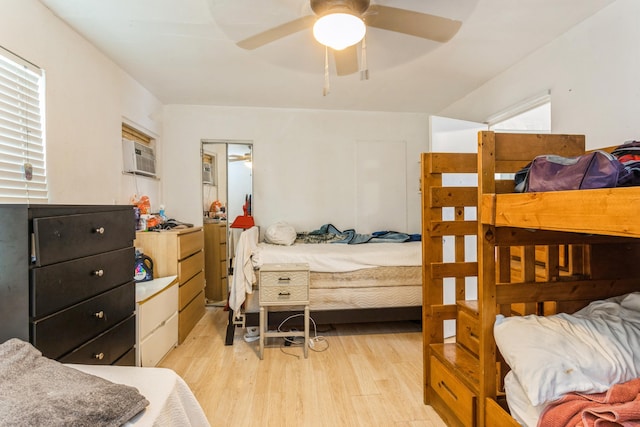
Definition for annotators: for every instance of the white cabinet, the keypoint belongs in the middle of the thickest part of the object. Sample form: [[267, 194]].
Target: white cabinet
[[157, 319]]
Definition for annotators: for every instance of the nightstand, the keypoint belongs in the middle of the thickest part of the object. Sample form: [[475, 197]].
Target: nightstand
[[283, 285]]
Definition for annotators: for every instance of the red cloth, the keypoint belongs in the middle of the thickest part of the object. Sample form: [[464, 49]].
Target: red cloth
[[618, 406]]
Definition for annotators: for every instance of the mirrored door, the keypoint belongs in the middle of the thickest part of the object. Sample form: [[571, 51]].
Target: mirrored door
[[227, 184]]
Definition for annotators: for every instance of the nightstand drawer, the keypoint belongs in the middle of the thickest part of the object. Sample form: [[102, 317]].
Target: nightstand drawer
[[284, 278], [284, 294]]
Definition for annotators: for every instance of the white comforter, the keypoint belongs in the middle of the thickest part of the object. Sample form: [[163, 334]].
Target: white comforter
[[340, 257], [588, 351]]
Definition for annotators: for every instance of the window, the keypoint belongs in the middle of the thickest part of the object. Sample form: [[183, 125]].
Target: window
[[530, 116], [22, 154]]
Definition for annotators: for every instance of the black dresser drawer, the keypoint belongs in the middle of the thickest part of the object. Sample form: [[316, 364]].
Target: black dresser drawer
[[62, 285], [62, 238], [127, 359], [57, 334], [106, 348]]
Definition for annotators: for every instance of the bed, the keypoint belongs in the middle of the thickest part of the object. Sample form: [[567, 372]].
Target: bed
[[573, 248], [37, 390], [586, 352], [348, 282]]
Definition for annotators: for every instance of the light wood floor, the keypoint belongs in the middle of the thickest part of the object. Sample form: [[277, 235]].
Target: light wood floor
[[370, 375]]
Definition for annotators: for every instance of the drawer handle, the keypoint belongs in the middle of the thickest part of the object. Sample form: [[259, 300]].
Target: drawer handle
[[284, 279], [98, 273], [284, 294], [99, 356], [99, 315], [99, 230], [443, 385]]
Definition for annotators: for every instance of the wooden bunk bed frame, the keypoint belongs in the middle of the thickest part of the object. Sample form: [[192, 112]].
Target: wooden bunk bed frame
[[537, 253]]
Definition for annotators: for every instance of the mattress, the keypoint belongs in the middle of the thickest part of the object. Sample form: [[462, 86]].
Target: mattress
[[340, 257], [366, 288]]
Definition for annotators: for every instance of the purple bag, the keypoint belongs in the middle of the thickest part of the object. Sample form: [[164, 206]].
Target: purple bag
[[597, 169]]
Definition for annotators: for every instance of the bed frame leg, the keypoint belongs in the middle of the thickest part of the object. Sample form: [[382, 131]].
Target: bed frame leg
[[231, 327]]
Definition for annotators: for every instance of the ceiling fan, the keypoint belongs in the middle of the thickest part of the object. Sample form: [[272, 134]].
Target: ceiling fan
[[362, 14]]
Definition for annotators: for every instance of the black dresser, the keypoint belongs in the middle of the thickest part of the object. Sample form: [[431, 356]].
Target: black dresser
[[66, 281]]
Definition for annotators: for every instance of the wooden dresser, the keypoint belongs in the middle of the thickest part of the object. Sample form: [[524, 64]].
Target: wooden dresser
[[180, 253], [215, 261], [67, 281]]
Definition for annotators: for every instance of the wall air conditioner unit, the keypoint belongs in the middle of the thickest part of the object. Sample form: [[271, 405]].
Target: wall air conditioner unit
[[138, 158], [207, 173]]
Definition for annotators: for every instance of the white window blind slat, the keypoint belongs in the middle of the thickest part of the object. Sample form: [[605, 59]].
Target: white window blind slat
[[22, 143]]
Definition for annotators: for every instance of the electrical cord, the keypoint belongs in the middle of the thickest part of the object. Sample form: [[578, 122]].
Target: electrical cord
[[313, 341]]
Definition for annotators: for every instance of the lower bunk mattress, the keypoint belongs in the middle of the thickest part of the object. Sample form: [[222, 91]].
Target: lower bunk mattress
[[558, 360], [377, 287]]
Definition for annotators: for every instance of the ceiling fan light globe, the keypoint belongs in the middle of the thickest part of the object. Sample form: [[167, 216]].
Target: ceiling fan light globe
[[339, 30]]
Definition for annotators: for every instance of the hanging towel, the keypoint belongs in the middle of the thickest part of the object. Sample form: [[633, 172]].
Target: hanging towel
[[243, 274]]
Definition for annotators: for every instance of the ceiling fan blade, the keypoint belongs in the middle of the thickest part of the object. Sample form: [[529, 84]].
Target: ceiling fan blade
[[278, 32], [346, 60], [413, 23]]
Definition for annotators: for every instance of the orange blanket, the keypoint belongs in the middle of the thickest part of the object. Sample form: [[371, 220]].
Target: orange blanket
[[618, 406]]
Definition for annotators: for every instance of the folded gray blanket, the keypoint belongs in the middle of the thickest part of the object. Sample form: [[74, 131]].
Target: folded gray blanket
[[37, 391]]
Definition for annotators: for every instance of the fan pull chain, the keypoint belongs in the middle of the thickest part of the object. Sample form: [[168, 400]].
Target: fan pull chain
[[325, 89], [364, 70]]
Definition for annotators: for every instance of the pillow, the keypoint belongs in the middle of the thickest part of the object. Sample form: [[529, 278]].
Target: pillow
[[280, 233], [587, 352]]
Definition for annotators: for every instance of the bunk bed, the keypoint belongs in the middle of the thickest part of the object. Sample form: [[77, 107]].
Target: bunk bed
[[537, 254]]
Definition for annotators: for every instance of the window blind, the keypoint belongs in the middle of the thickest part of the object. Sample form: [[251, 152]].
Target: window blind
[[22, 149]]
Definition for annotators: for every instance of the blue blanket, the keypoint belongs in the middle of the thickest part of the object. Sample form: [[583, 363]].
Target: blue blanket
[[328, 233]]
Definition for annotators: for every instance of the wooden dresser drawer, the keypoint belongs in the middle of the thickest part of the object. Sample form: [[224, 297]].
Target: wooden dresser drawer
[[190, 315], [65, 237], [222, 234], [69, 328], [453, 392], [106, 348], [157, 310], [190, 243], [467, 333], [190, 289], [189, 267], [62, 285]]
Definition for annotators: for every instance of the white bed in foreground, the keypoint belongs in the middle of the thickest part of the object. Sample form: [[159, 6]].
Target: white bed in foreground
[[171, 402], [36, 390]]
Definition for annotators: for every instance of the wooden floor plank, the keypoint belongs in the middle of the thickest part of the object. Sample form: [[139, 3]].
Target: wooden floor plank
[[370, 375]]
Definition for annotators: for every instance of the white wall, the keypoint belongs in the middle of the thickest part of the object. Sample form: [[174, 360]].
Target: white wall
[[87, 98], [592, 72], [304, 161]]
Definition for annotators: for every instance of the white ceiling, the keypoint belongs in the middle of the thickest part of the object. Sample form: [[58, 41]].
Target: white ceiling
[[184, 51]]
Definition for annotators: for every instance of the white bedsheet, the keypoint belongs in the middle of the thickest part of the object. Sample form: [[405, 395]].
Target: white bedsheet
[[340, 257], [171, 401], [588, 351]]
